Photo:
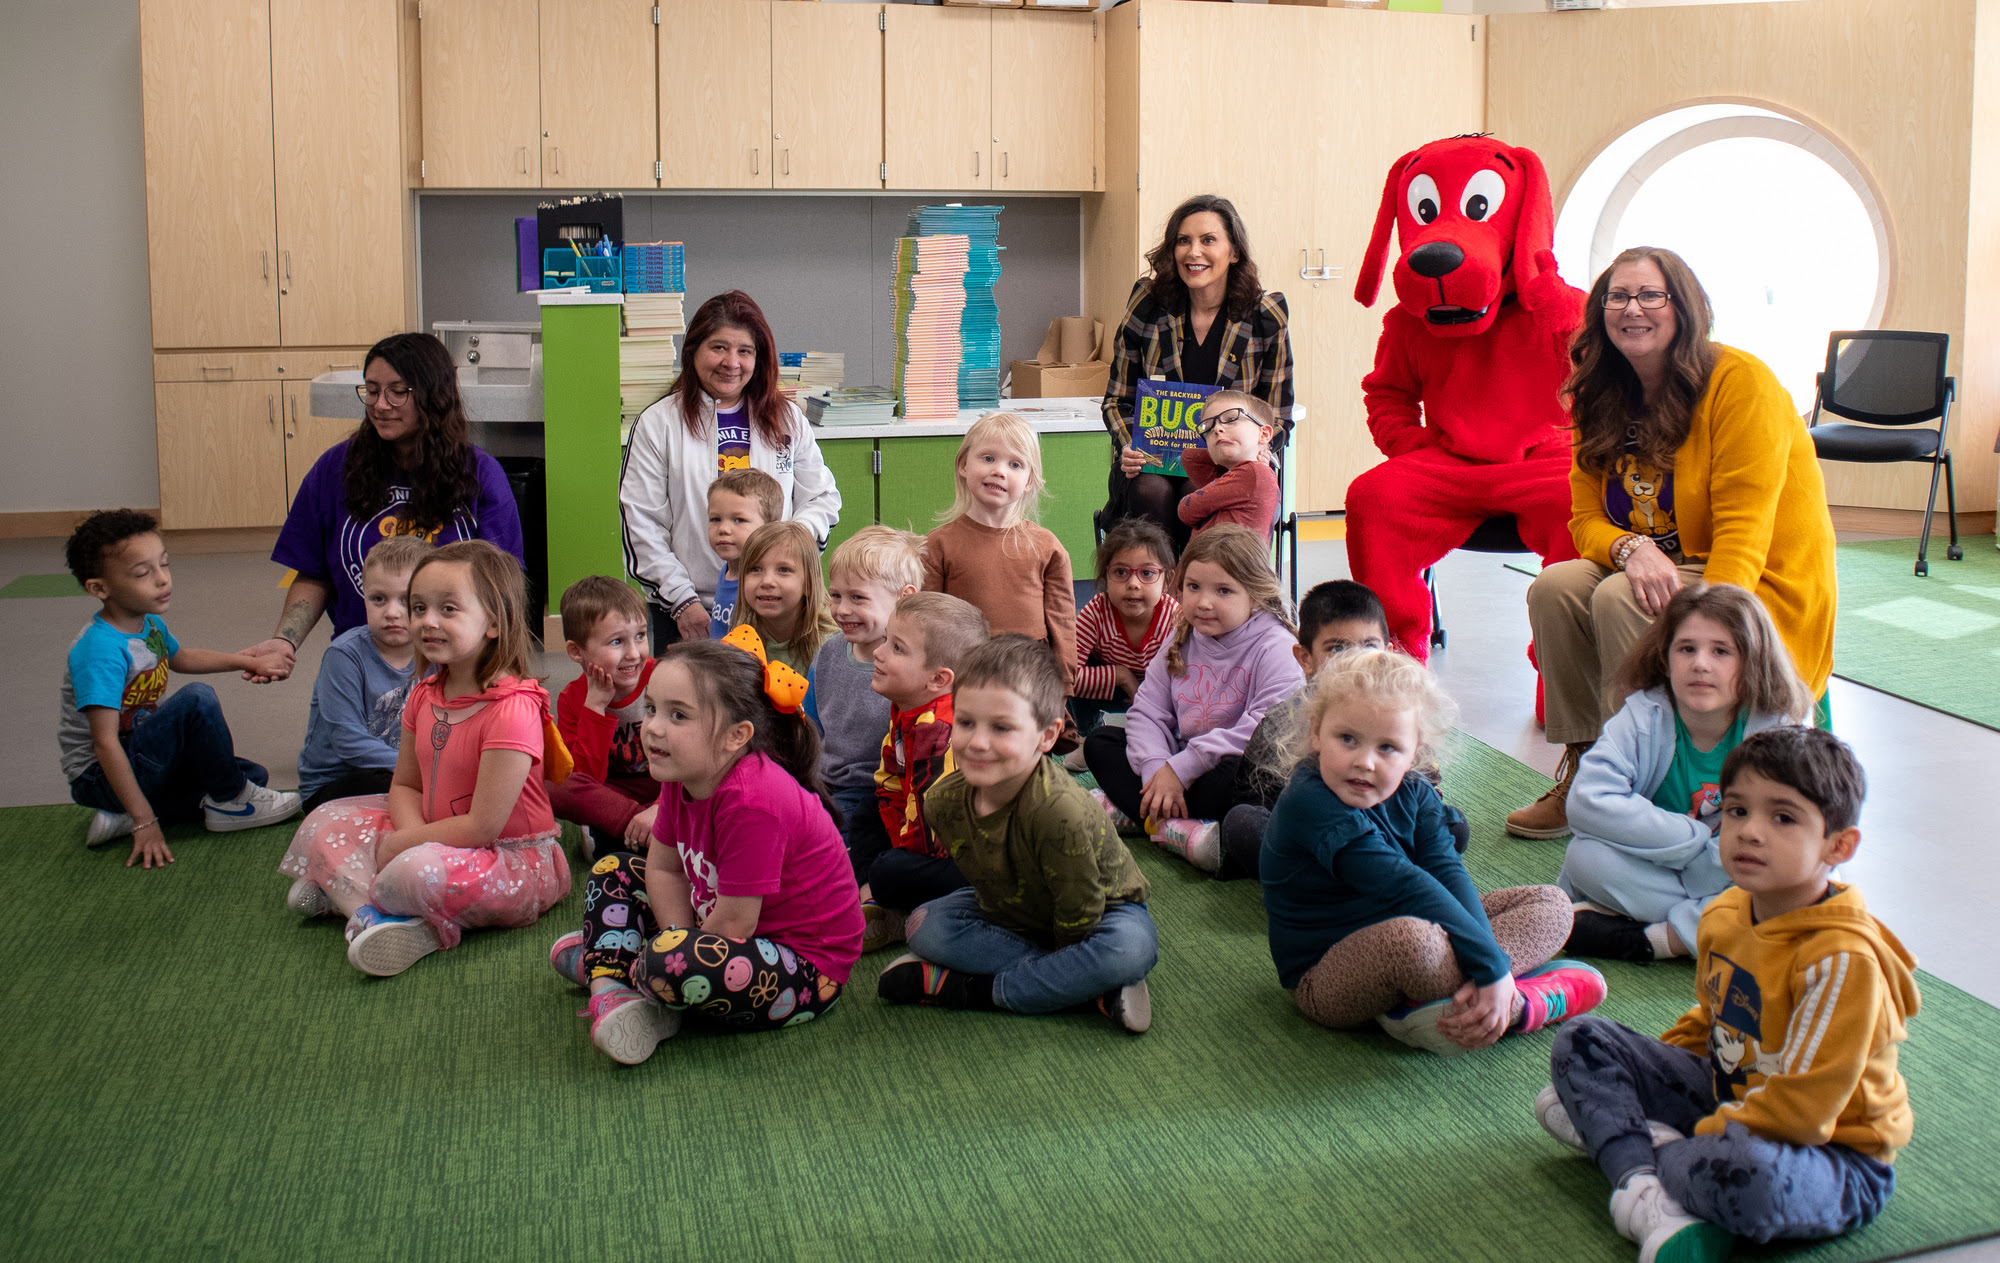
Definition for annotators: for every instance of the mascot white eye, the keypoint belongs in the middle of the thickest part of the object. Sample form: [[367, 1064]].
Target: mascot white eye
[[1424, 200], [1483, 194]]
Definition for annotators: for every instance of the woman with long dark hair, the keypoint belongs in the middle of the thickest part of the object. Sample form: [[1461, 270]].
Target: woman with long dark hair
[[1691, 465], [408, 469], [725, 412], [1200, 315]]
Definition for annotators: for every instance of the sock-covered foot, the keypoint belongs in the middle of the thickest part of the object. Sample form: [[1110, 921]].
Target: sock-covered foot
[[1119, 820], [307, 899], [1199, 842], [1646, 1214], [911, 979], [383, 945], [1665, 943], [1416, 1025], [1555, 1120], [1608, 936], [1075, 762], [106, 825], [626, 1026], [880, 927], [254, 808], [566, 957], [1558, 990], [1130, 1007], [1242, 839]]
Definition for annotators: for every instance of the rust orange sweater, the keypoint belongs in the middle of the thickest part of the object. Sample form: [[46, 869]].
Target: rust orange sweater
[[1019, 578]]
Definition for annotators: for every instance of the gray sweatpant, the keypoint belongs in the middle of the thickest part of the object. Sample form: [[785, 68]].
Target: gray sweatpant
[[1612, 1079]]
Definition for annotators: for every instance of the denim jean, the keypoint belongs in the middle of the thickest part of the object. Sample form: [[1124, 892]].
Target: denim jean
[[179, 752], [1028, 978], [861, 829], [1612, 1079]]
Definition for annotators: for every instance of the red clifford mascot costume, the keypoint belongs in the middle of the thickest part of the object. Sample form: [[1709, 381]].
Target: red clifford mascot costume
[[1463, 397]]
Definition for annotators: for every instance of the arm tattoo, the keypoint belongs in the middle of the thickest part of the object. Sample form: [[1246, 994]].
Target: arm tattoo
[[297, 623]]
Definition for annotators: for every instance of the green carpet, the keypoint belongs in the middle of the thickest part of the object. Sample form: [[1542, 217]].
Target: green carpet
[[31, 585], [1934, 641], [187, 1069]]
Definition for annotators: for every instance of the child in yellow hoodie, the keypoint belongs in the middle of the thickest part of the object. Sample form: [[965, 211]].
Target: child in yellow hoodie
[[1773, 1108]]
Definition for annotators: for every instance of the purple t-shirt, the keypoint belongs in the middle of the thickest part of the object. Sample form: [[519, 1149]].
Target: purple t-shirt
[[762, 833], [323, 541]]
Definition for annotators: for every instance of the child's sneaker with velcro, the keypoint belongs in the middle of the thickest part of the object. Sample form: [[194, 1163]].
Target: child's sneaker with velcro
[[1417, 1026], [1199, 842], [254, 808], [1647, 1215], [1558, 990], [385, 946]]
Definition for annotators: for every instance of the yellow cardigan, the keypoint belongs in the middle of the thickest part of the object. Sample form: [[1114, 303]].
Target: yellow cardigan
[[1750, 501]]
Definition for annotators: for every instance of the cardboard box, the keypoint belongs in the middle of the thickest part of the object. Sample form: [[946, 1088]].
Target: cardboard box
[[1069, 365]]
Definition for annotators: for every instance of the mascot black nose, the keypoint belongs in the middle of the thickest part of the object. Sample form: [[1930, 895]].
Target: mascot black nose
[[1435, 259]]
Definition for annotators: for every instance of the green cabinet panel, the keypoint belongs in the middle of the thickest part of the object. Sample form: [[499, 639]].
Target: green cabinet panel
[[580, 444], [918, 477], [852, 464], [1076, 467]]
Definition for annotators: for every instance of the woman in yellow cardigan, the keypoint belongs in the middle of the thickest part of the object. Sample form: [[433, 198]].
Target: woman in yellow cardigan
[[1690, 466]]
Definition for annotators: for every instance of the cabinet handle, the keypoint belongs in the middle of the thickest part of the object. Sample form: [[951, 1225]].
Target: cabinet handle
[[524, 160], [753, 160], [558, 154], [975, 162], [271, 411], [335, 368], [288, 267], [264, 263], [1005, 166], [788, 162], [227, 370], [292, 430]]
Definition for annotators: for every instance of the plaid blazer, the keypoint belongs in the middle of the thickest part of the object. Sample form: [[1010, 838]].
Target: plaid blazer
[[1256, 357]]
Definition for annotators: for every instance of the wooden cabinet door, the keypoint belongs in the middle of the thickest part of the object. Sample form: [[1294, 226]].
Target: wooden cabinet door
[[826, 96], [481, 94], [1045, 119], [339, 178], [211, 222], [306, 436], [715, 94], [937, 97], [599, 117], [222, 454]]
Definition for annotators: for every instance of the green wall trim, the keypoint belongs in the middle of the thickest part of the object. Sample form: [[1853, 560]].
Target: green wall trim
[[580, 440]]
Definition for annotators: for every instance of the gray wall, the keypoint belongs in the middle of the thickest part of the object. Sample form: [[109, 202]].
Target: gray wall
[[820, 267], [76, 379]]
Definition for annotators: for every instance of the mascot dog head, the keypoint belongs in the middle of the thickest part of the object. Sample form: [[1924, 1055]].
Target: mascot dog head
[[1472, 214]]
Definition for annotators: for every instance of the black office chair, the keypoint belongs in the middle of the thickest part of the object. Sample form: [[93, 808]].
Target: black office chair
[[1102, 519], [1494, 535], [1890, 378]]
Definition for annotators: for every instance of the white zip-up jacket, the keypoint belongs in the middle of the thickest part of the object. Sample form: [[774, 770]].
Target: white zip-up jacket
[[663, 497]]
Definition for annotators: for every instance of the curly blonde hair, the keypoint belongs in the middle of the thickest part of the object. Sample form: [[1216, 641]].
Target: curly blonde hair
[[1243, 556], [1375, 677]]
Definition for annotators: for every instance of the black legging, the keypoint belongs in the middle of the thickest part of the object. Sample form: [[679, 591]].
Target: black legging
[[1155, 497], [1210, 797]]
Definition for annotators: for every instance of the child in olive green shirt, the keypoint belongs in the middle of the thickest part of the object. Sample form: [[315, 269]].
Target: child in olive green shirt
[[1055, 915]]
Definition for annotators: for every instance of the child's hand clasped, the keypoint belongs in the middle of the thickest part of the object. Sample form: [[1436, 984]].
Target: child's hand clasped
[[640, 831], [1479, 1015], [1164, 797]]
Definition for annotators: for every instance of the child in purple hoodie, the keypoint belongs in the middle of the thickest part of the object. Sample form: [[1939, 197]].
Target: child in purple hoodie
[[1175, 763]]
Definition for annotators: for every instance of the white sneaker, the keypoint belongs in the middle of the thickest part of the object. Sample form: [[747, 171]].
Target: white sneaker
[[391, 945], [1549, 1112], [307, 899], [1416, 1025], [1647, 1215], [254, 808], [106, 825]]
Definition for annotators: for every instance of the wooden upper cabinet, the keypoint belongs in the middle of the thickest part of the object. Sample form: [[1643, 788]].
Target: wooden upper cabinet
[[599, 118], [826, 95], [211, 220], [334, 105], [1045, 112], [715, 94], [937, 98], [481, 94]]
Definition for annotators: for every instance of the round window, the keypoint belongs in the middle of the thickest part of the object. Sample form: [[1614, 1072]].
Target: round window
[[1781, 227]]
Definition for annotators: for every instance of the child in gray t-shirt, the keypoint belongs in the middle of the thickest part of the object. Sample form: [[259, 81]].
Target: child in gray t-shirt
[[356, 723]]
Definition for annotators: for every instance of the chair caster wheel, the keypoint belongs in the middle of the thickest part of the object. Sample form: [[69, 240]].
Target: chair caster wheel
[[1437, 640], [1955, 553], [1923, 568]]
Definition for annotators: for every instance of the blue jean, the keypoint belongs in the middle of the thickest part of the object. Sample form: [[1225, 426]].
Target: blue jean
[[1028, 978], [861, 827], [179, 752], [1612, 1079]]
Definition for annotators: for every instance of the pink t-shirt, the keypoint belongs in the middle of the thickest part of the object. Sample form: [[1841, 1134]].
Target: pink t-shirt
[[450, 737], [763, 833]]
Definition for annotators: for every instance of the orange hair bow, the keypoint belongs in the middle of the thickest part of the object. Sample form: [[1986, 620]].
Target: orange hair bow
[[785, 687]]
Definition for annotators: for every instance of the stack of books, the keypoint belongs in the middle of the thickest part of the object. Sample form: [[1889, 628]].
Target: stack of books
[[805, 371], [850, 405], [655, 267], [647, 370], [979, 327], [930, 298], [654, 315]]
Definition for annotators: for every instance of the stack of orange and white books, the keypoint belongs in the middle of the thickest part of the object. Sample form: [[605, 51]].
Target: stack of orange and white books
[[930, 299]]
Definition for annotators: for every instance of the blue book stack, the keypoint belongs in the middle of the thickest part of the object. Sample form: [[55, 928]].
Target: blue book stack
[[655, 267], [979, 326]]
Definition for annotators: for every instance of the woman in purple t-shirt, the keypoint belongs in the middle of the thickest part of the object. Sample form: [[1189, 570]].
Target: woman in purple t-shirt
[[408, 470]]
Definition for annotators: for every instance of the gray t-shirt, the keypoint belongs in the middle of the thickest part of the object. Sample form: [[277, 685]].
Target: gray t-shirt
[[356, 720], [853, 717]]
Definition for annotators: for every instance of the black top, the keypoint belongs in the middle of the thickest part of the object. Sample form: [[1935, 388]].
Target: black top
[[1200, 361]]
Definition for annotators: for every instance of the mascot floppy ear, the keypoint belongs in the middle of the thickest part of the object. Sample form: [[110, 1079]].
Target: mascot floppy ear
[[1535, 229], [1368, 282]]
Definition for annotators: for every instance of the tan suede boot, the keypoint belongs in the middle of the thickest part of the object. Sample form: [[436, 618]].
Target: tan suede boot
[[1548, 816]]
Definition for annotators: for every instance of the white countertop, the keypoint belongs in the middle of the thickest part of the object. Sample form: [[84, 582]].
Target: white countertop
[[1047, 416]]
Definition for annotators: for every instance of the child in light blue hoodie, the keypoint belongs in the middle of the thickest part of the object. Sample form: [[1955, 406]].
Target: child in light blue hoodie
[[1644, 808]]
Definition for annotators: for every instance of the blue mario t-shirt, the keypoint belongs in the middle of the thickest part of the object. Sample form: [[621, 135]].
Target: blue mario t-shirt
[[111, 668]]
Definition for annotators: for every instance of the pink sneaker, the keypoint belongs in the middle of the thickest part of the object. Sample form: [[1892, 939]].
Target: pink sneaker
[[1199, 842], [566, 954], [626, 1026], [1558, 990], [1119, 820]]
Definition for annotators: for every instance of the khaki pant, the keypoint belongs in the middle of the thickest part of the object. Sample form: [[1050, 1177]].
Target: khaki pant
[[1585, 621]]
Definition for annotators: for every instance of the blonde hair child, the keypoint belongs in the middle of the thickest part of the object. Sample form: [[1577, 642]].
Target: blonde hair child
[[1369, 905], [781, 595], [1176, 763], [409, 872], [988, 549]]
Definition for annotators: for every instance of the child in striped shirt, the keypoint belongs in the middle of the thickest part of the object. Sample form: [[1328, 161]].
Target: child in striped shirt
[[1124, 625]]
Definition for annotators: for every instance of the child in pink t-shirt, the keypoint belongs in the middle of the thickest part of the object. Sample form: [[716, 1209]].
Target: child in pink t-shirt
[[465, 836], [743, 911]]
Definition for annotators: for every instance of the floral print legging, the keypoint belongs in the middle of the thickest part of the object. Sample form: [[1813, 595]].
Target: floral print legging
[[749, 985]]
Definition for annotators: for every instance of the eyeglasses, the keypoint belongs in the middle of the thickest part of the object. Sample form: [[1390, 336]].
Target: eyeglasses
[[1144, 574], [1648, 299], [369, 392], [1232, 417]]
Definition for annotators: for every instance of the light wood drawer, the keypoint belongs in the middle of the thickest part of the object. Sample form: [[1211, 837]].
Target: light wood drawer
[[291, 364]]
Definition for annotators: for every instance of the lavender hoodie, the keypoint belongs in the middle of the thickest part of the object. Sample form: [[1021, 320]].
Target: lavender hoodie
[[1193, 721]]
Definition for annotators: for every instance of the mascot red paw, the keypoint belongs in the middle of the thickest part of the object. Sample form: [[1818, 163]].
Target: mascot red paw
[[1463, 399]]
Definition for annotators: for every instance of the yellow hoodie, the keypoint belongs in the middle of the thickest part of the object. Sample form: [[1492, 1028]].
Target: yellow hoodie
[[1799, 1017]]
